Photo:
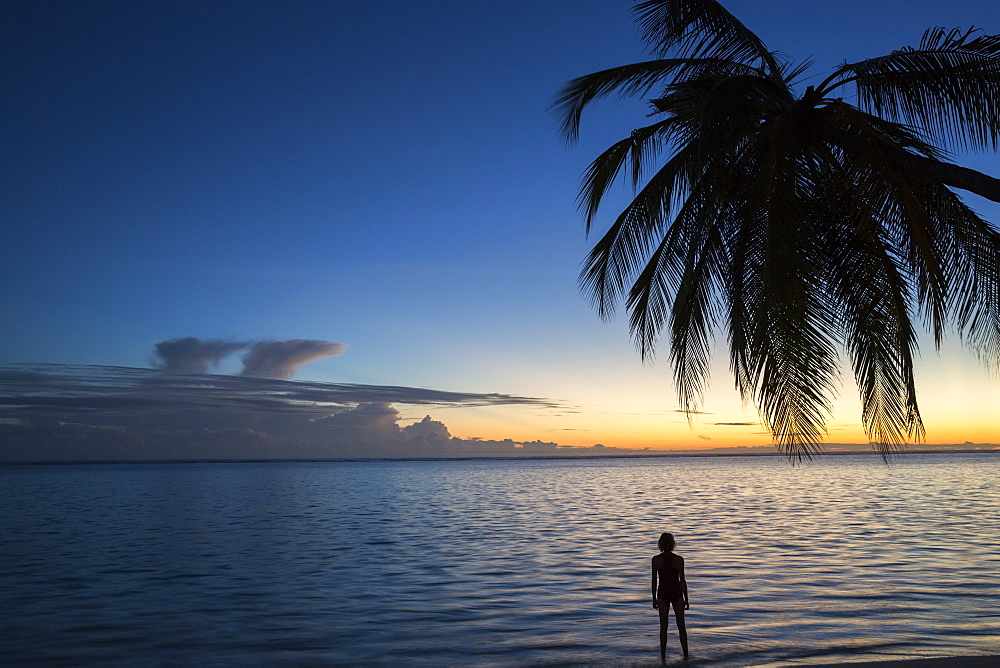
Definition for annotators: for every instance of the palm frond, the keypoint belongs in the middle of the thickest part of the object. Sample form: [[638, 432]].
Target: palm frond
[[881, 342], [680, 281], [874, 296], [628, 81], [704, 117], [693, 317], [897, 198], [638, 149], [781, 350], [700, 28], [619, 254], [971, 248], [949, 87], [715, 108]]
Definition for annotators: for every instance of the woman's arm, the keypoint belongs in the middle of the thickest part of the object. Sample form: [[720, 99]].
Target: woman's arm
[[654, 581], [684, 583]]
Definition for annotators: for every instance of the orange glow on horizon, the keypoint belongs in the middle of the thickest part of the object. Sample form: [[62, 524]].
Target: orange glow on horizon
[[635, 408]]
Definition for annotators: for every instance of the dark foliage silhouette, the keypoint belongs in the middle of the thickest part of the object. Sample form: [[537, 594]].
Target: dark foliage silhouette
[[800, 225]]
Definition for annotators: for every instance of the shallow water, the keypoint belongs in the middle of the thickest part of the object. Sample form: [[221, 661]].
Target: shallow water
[[497, 562]]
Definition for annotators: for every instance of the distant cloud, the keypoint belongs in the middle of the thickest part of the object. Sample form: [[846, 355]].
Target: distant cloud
[[373, 420], [427, 429], [735, 424], [51, 412], [280, 359], [191, 355], [264, 359], [37, 390], [705, 438]]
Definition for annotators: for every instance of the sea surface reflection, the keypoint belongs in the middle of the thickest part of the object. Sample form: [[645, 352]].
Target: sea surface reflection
[[498, 562]]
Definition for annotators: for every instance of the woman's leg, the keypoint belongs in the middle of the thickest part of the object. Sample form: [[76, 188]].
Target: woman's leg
[[664, 610], [681, 626]]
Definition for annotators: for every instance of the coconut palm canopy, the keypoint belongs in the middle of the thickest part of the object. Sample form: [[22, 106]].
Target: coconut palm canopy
[[806, 222]]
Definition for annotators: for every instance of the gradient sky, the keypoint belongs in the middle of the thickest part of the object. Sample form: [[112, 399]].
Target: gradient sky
[[380, 174]]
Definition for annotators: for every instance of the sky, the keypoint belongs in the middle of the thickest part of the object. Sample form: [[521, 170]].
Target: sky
[[369, 194]]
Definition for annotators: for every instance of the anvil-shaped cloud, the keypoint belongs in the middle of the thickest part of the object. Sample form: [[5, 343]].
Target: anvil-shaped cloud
[[266, 359]]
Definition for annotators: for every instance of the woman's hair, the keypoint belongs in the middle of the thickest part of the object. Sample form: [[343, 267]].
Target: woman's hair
[[666, 542]]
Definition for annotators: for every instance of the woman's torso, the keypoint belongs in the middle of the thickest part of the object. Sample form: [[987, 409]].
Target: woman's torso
[[669, 580]]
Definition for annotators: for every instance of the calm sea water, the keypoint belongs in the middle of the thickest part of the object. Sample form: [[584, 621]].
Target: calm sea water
[[497, 562]]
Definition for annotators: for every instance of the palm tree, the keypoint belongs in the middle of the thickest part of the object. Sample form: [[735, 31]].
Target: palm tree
[[804, 226]]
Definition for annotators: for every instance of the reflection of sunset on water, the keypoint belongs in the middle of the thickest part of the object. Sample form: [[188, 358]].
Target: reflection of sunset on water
[[516, 562]]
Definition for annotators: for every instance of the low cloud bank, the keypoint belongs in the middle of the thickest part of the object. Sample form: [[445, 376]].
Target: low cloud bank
[[93, 413], [55, 412]]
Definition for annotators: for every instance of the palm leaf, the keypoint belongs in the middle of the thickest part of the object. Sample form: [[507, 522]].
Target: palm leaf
[[628, 81], [638, 149], [616, 257], [699, 28], [873, 295], [780, 350], [949, 87]]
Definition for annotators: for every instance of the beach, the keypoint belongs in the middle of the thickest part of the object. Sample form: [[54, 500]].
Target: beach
[[991, 661]]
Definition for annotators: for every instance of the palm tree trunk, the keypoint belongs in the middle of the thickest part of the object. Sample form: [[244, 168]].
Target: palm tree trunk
[[947, 173]]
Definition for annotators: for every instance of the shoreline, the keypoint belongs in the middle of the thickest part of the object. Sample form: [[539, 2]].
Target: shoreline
[[655, 455], [975, 661]]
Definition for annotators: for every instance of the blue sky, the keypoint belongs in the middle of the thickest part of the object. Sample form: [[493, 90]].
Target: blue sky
[[381, 174]]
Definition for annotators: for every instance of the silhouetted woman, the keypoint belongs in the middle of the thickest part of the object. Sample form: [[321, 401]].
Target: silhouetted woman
[[670, 589]]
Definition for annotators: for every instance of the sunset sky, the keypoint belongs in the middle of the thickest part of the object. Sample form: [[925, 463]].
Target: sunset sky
[[384, 175]]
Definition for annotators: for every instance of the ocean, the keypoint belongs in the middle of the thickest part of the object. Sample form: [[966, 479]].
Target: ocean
[[498, 562]]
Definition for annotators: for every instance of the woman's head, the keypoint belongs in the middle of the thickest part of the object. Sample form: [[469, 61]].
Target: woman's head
[[666, 542]]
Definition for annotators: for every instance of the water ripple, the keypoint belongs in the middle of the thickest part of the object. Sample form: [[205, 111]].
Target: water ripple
[[497, 563]]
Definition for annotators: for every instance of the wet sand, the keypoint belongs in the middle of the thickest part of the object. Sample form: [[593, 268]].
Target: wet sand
[[943, 662]]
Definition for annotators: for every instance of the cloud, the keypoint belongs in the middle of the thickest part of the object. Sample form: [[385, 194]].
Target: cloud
[[34, 391], [51, 412], [735, 424], [280, 359], [264, 359], [372, 421], [427, 429], [191, 355]]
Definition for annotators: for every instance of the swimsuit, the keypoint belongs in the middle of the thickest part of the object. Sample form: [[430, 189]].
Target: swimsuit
[[669, 587]]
